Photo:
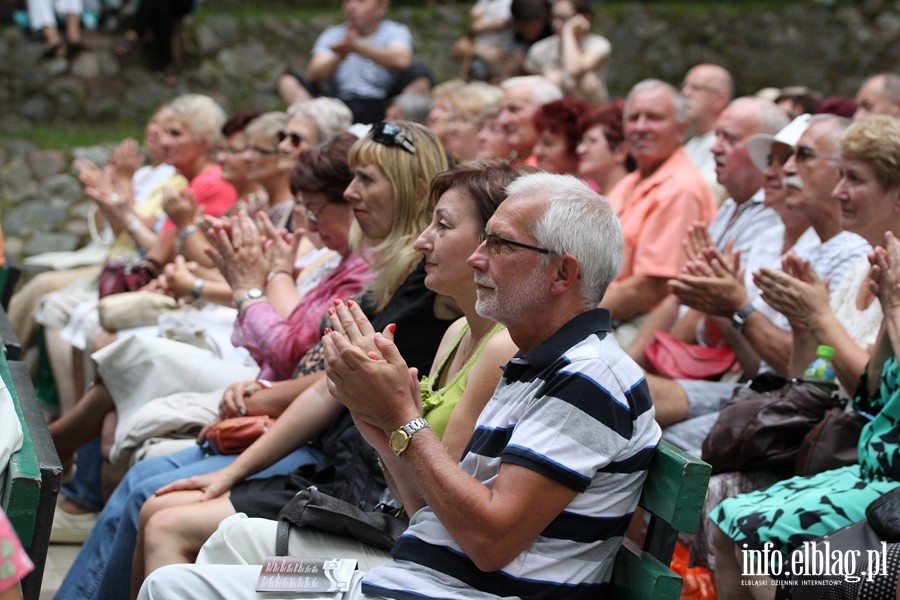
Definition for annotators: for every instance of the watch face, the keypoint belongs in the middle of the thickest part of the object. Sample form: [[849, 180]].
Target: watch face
[[399, 440]]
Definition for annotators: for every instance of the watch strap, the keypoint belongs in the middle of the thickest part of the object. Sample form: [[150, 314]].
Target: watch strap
[[739, 318], [197, 288], [251, 294]]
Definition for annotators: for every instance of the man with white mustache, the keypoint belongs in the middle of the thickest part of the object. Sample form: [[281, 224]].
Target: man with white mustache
[[811, 173]]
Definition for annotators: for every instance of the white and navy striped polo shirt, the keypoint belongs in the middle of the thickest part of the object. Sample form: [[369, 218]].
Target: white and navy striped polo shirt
[[577, 410]]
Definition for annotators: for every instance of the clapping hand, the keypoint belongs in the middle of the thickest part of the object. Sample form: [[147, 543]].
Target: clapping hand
[[796, 291], [884, 275], [366, 373], [180, 276], [239, 252], [126, 159], [181, 206], [280, 245]]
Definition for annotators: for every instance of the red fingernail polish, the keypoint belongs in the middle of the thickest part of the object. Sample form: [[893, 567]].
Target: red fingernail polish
[[350, 303], [331, 311], [392, 327]]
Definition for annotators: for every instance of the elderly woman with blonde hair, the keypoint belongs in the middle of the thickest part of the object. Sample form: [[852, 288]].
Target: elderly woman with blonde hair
[[469, 106]]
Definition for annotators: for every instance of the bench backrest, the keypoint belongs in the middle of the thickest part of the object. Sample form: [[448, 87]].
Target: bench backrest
[[673, 497], [33, 476], [9, 276], [23, 478]]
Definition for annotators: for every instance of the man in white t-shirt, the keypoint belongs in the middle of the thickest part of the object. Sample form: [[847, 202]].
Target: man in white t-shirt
[[364, 62]]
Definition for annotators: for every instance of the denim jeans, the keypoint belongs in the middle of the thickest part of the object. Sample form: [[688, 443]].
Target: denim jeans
[[102, 568], [85, 489]]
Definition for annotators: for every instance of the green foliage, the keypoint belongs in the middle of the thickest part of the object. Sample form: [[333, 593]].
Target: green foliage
[[76, 135]]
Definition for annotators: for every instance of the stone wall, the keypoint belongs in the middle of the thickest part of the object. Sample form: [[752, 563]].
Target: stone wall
[[827, 45]]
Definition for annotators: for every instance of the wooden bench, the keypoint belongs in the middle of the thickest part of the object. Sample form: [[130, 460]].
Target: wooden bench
[[33, 476], [9, 276], [8, 336], [673, 497]]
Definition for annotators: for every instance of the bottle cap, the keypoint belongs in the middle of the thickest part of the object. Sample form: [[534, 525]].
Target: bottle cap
[[824, 351]]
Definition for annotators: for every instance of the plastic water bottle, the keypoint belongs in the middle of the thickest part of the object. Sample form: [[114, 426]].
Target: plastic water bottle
[[821, 371]]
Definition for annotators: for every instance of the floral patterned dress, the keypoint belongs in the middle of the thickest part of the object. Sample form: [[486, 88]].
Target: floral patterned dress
[[14, 563], [805, 508]]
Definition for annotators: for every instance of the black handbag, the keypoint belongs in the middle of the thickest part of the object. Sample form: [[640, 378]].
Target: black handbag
[[313, 508], [883, 515]]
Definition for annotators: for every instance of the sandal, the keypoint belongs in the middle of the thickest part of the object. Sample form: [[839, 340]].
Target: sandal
[[123, 47], [53, 50], [74, 49]]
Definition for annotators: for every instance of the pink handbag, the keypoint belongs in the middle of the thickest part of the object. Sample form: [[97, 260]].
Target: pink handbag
[[670, 357]]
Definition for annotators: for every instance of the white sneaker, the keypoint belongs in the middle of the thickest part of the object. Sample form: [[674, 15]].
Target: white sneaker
[[71, 529]]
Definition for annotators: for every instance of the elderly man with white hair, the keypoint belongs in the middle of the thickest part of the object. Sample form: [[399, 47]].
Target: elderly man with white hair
[[521, 98], [541, 500]]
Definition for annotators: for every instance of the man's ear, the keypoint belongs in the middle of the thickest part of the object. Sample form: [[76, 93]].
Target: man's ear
[[567, 275]]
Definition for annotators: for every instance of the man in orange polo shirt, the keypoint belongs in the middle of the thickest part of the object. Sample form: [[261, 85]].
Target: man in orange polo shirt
[[656, 204]]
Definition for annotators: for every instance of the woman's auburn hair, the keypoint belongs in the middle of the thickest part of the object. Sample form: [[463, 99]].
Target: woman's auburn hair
[[394, 257]]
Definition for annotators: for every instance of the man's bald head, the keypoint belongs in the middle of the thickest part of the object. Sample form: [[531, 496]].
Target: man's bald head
[[879, 95]]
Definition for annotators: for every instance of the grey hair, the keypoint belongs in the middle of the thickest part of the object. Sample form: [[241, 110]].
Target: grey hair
[[580, 222], [201, 115], [415, 107], [678, 100], [771, 118], [841, 125], [891, 85], [329, 115], [267, 125], [542, 89]]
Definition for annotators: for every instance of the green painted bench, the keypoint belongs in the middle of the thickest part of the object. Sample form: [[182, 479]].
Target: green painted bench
[[673, 496], [9, 276], [33, 476]]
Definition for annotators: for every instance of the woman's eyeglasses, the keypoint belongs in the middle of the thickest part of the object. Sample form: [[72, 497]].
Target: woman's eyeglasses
[[495, 244], [391, 135], [313, 216], [296, 138], [264, 151]]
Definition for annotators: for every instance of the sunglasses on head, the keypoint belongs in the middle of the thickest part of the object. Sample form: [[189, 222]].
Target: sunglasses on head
[[296, 138], [391, 135]]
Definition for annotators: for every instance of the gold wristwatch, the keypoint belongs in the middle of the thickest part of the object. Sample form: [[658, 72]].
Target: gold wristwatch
[[401, 436]]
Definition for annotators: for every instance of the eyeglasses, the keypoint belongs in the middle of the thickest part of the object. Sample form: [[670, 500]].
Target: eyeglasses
[[227, 150], [296, 138], [495, 243], [313, 216], [805, 153], [391, 135], [264, 151]]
